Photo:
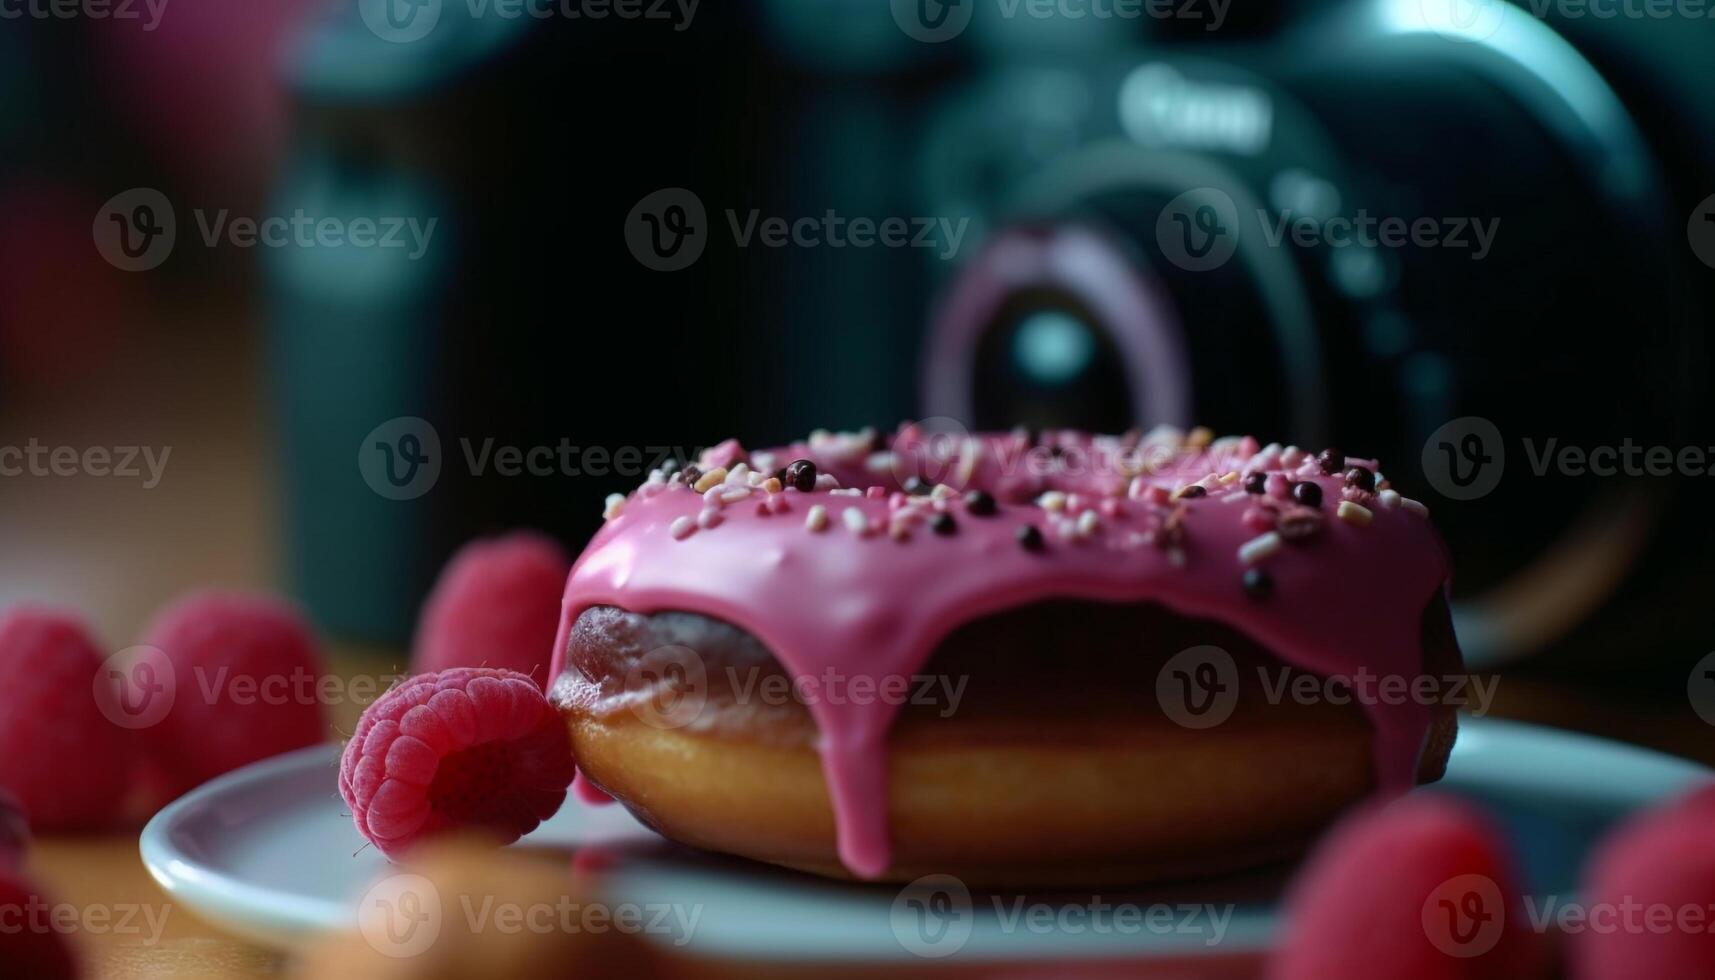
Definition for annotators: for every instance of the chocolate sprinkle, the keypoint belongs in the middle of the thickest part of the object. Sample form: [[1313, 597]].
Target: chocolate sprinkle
[[1361, 478], [1258, 584], [1256, 483], [943, 524], [1192, 491], [692, 474], [1030, 537], [1331, 460], [979, 504], [916, 486], [801, 474], [1307, 493]]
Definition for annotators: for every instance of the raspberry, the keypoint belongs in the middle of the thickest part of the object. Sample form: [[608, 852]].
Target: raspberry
[[1648, 893], [1418, 889], [469, 748], [30, 945], [497, 604], [244, 673], [65, 763]]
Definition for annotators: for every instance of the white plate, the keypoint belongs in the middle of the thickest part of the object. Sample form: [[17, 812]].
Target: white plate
[[270, 852]]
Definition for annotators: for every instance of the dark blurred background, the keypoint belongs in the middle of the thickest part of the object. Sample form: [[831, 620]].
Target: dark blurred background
[[348, 259]]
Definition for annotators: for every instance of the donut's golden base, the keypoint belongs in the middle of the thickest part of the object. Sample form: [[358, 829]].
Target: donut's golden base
[[999, 806]]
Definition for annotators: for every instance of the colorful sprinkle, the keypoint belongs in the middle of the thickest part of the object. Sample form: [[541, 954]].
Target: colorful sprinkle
[[1259, 547], [817, 518], [613, 506], [1354, 513]]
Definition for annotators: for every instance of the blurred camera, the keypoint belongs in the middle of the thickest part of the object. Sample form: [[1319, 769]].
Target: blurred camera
[[1443, 242]]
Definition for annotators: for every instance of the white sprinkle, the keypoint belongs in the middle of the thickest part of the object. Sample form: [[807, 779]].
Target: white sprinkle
[[846, 492], [1389, 498], [712, 478], [817, 518], [942, 492], [826, 481], [712, 496], [710, 517], [1088, 521], [1053, 501], [1353, 513], [757, 478], [615, 504], [681, 528], [1176, 557], [739, 475], [880, 462], [764, 461], [1416, 507], [734, 495], [968, 456], [854, 520], [1138, 487], [656, 476], [1290, 457], [1259, 547]]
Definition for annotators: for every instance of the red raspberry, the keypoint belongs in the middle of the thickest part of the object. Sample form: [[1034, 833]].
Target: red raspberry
[[65, 762], [1419, 889], [30, 945], [469, 748], [497, 604], [244, 672], [1649, 894]]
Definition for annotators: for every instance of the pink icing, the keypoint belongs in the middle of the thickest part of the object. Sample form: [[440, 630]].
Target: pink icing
[[876, 604]]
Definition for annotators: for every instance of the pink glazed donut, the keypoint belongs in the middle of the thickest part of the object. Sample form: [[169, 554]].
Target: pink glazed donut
[[1026, 660]]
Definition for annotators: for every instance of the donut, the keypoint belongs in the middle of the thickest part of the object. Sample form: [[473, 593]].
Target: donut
[[1024, 659]]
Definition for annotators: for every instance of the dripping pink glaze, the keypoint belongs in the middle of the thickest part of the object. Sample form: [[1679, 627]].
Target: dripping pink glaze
[[875, 606]]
